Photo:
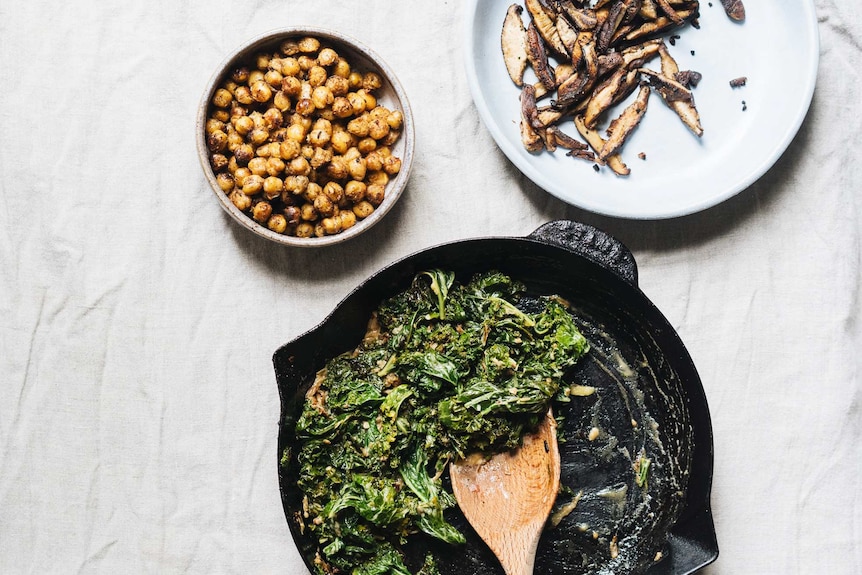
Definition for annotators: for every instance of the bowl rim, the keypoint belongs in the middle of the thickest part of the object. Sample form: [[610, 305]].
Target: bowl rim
[[396, 186]]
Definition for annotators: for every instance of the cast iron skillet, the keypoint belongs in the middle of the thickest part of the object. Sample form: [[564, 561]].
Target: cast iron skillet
[[649, 401]]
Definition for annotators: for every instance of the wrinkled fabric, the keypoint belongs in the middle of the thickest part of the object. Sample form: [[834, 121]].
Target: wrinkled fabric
[[138, 407]]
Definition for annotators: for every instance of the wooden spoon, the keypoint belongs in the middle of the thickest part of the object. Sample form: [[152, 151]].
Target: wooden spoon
[[508, 497]]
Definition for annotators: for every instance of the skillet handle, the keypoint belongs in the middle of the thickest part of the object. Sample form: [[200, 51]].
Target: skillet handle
[[591, 243]]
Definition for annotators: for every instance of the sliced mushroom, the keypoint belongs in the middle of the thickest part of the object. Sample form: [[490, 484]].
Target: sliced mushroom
[[603, 97], [530, 138], [678, 97], [538, 57], [734, 8], [622, 126], [596, 142], [544, 16], [513, 40]]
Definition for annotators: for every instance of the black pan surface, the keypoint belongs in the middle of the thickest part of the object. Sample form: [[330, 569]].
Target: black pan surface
[[649, 402]]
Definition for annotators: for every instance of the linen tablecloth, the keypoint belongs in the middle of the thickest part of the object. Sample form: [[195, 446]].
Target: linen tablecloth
[[138, 406]]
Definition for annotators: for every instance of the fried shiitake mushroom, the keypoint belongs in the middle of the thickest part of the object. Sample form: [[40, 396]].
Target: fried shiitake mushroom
[[514, 44], [590, 57], [734, 9]]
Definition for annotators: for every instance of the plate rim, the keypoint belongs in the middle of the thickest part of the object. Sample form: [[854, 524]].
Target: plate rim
[[811, 68]]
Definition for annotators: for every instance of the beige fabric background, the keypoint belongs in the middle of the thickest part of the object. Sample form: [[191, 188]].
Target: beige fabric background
[[138, 407]]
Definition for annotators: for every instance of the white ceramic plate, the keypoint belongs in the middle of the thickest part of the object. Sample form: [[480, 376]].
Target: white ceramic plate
[[776, 48]]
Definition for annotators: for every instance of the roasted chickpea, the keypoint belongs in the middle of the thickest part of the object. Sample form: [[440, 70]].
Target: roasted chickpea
[[354, 191], [290, 67], [299, 167], [219, 162], [273, 78], [243, 125], [274, 165], [255, 76], [327, 57], [323, 205], [333, 191], [374, 193], [217, 141], [221, 115], [277, 223], [321, 157], [392, 165], [252, 185], [306, 62], [292, 86], [338, 85], [239, 176], [370, 100], [348, 219], [272, 119], [356, 167], [322, 97], [395, 119], [371, 81], [225, 182], [341, 68], [244, 154], [363, 209], [258, 136], [357, 102], [289, 47], [359, 126], [240, 200], [304, 230], [341, 140], [288, 149], [262, 62], [296, 184], [291, 214], [355, 80], [331, 225], [380, 178], [366, 145], [213, 125], [281, 101], [305, 106], [337, 168], [257, 166], [261, 211], [374, 160], [341, 107], [309, 44], [320, 133], [232, 166], [222, 98], [243, 95], [378, 128], [272, 187], [240, 75], [308, 213], [261, 91]]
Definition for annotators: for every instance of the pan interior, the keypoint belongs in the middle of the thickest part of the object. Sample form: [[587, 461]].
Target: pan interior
[[609, 518]]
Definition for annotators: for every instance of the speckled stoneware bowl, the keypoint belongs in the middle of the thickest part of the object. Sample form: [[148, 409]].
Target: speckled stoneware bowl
[[391, 94]]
